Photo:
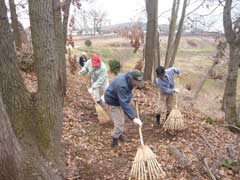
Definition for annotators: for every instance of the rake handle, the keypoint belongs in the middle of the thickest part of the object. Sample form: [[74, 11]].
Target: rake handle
[[141, 136], [139, 129], [177, 93]]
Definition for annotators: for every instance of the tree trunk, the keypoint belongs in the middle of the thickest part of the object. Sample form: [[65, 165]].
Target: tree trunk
[[66, 9], [10, 152], [172, 29], [231, 87], [60, 48], [158, 50], [14, 93], [178, 35], [36, 118], [150, 48], [204, 79], [14, 19], [230, 93], [49, 97]]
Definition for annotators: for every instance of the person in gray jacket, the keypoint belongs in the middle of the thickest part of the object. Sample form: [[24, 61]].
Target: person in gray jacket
[[99, 76]]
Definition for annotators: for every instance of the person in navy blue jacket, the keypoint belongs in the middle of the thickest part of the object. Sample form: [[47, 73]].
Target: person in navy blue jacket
[[166, 85], [118, 96]]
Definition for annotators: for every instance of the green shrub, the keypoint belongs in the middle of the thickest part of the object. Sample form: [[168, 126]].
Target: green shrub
[[230, 163], [88, 43], [115, 66], [211, 121]]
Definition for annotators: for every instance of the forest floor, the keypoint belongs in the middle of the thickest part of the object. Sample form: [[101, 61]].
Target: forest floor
[[206, 139], [90, 157]]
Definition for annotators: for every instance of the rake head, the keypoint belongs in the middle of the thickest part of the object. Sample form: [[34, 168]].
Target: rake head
[[145, 165], [174, 121], [103, 117]]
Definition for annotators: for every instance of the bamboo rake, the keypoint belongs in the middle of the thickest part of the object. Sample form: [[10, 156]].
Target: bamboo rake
[[103, 116], [145, 165], [175, 120]]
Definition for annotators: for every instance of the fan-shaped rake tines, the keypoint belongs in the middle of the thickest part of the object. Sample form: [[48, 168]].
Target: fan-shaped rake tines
[[103, 117], [146, 166], [174, 122]]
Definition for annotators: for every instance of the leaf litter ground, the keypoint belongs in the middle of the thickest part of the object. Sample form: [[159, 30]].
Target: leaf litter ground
[[87, 144]]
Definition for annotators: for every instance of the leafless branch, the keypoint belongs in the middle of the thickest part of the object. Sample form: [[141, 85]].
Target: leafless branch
[[196, 8], [212, 10]]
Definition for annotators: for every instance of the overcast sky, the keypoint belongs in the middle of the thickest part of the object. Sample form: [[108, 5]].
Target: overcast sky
[[121, 11]]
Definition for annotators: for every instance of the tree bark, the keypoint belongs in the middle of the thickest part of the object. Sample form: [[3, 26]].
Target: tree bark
[[36, 118], [14, 93], [10, 151], [49, 98], [231, 86], [204, 78], [14, 19], [158, 50], [172, 29], [230, 93], [66, 9], [60, 44], [150, 47], [178, 35]]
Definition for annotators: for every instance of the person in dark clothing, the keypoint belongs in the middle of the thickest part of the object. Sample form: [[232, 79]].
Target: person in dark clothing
[[118, 96], [82, 59]]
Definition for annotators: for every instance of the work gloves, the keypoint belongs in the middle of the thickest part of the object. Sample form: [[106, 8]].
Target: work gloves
[[90, 90], [138, 122], [176, 90]]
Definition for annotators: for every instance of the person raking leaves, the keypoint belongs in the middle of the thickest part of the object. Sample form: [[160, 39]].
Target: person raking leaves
[[118, 96], [99, 76], [166, 85], [83, 59]]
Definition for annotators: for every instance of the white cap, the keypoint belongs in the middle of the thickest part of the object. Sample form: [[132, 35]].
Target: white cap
[[84, 53]]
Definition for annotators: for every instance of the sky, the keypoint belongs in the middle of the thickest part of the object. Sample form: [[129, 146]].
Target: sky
[[121, 11]]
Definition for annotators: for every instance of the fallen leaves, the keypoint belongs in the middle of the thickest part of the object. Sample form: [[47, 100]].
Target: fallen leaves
[[87, 144]]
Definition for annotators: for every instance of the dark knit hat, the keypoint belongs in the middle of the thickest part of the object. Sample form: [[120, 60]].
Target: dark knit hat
[[160, 71]]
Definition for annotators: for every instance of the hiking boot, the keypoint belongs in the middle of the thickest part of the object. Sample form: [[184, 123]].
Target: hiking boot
[[123, 138], [114, 142], [158, 117]]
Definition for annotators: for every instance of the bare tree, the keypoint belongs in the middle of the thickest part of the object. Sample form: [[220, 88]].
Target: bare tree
[[172, 29], [36, 118], [10, 151], [66, 8], [151, 36], [179, 34], [232, 33], [174, 39], [60, 43], [15, 27], [97, 17]]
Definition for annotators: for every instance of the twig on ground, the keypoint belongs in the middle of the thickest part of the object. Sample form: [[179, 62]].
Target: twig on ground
[[207, 143], [232, 126], [206, 167]]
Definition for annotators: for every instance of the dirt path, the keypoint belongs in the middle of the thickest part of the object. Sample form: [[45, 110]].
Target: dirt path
[[88, 152]]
